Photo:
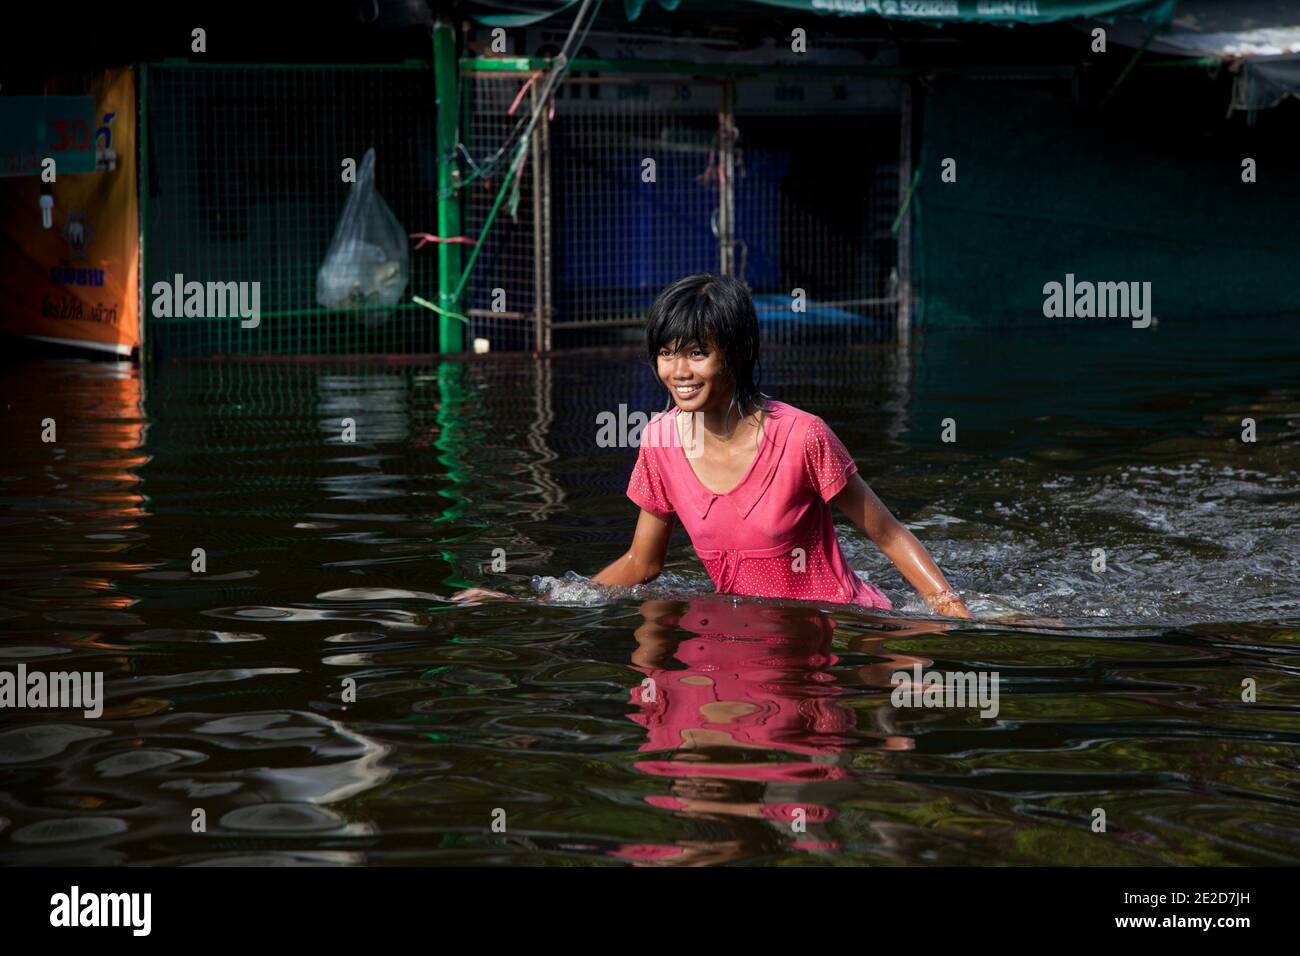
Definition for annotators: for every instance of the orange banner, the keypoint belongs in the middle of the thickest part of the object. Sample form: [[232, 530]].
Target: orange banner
[[76, 282]]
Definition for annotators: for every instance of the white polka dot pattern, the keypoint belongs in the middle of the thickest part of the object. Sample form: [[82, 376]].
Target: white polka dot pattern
[[646, 487], [827, 461]]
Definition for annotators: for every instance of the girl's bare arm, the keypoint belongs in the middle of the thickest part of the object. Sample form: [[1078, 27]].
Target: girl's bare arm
[[644, 560], [865, 510]]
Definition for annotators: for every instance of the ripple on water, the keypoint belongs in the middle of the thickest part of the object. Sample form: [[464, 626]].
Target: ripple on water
[[387, 617], [375, 594], [178, 635], [138, 761], [253, 613], [69, 830], [93, 618], [282, 818], [42, 741], [241, 723], [199, 789], [190, 576], [355, 637], [29, 651], [323, 858]]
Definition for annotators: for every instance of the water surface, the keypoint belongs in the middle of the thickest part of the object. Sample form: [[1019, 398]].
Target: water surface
[[329, 560]]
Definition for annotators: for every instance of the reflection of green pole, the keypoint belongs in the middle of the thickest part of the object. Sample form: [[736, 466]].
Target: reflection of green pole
[[447, 98], [452, 446]]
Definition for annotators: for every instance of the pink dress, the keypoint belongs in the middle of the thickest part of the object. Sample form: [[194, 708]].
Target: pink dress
[[773, 534]]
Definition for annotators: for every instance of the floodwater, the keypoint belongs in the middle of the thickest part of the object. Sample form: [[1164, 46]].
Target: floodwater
[[311, 697]]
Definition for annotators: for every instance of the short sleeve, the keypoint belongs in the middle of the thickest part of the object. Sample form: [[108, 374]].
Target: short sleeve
[[646, 486], [827, 462]]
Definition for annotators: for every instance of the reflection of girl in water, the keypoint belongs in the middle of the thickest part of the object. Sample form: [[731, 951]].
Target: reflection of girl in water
[[756, 678]]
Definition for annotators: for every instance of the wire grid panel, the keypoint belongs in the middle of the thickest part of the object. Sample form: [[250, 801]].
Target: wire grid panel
[[502, 295], [815, 205], [245, 185], [635, 195]]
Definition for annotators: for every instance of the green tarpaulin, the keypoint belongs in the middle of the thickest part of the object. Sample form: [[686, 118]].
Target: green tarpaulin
[[522, 13], [1148, 191]]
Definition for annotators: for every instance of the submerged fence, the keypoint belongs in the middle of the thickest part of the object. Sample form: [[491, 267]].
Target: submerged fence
[[630, 181], [638, 180], [242, 182]]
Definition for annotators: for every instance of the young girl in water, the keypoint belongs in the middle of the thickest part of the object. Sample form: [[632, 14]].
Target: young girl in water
[[751, 479]]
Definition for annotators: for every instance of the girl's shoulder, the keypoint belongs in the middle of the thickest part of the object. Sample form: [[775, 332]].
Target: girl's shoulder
[[796, 420], [804, 432], [785, 409]]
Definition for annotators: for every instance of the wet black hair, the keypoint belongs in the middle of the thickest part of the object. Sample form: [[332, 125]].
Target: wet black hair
[[705, 308]]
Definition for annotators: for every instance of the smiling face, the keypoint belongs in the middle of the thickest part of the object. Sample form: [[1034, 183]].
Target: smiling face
[[694, 376]]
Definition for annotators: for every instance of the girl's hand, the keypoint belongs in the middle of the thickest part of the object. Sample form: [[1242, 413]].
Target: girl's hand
[[947, 603], [477, 596]]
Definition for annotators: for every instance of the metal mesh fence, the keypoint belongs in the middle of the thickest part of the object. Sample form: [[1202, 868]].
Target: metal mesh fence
[[818, 220], [636, 192], [631, 184], [647, 179], [505, 292], [243, 184]]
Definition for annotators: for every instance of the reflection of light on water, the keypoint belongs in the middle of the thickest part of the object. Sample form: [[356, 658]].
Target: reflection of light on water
[[377, 407], [269, 797], [378, 402], [391, 618], [324, 781]]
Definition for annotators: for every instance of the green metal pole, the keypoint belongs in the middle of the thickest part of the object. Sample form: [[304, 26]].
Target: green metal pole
[[447, 98], [492, 215]]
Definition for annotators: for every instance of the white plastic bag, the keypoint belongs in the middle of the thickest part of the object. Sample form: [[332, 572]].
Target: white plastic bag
[[368, 262]]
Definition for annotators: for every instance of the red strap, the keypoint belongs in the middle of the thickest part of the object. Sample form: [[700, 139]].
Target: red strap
[[515, 105], [425, 238]]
